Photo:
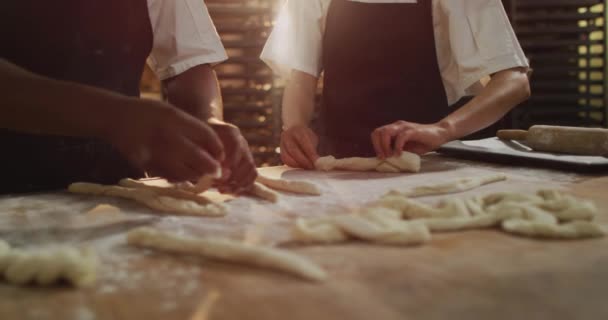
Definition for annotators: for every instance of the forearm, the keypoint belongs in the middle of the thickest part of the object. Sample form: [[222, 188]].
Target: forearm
[[299, 100], [197, 92], [40, 105], [505, 91]]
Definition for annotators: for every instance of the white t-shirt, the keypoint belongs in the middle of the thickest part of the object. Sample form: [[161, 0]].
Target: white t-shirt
[[473, 38], [184, 37]]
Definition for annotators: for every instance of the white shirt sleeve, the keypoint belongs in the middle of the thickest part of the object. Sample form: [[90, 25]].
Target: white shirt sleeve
[[474, 39], [297, 38], [184, 37]]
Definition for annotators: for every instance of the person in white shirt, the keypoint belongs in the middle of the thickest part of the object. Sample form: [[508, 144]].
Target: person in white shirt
[[391, 70], [69, 78]]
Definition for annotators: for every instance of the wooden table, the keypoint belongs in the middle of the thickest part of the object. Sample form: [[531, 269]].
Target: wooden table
[[466, 275]]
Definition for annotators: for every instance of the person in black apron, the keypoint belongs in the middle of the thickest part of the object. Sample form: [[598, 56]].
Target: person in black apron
[[70, 73], [382, 88]]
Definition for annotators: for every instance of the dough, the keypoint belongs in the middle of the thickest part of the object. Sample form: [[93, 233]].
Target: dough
[[374, 224], [204, 183], [229, 251], [380, 225], [103, 209], [407, 162], [47, 266], [261, 191], [397, 219], [456, 186], [150, 199], [300, 187], [163, 191], [570, 230]]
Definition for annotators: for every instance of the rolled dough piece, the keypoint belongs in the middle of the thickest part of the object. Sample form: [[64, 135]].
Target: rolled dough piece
[[104, 209], [406, 162], [229, 251], [455, 186], [317, 231], [167, 192], [48, 266], [570, 230], [380, 225], [150, 199], [411, 209], [300, 187], [259, 190]]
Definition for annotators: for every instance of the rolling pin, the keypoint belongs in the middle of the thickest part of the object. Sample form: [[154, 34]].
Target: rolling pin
[[558, 139]]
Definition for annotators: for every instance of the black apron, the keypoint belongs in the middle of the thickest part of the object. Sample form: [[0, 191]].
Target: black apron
[[380, 66], [102, 43]]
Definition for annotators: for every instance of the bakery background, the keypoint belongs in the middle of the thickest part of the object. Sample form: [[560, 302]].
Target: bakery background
[[565, 41]]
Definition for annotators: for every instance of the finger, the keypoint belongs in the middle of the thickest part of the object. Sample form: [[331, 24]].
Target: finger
[[307, 146], [294, 151], [288, 160], [376, 143], [386, 137], [401, 140], [177, 172], [242, 174], [205, 137], [197, 159], [247, 181], [234, 145]]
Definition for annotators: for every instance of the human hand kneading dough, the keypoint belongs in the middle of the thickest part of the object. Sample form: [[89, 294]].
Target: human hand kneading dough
[[299, 147], [390, 140]]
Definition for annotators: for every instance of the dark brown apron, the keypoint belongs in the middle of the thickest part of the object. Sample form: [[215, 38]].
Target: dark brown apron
[[102, 43], [380, 66]]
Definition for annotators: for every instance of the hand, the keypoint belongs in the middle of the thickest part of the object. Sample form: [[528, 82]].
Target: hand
[[392, 139], [165, 141], [299, 147], [238, 168]]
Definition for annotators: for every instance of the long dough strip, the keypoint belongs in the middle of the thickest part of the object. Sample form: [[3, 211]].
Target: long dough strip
[[259, 190], [163, 191], [22, 267], [455, 186], [150, 199], [300, 187], [227, 250], [570, 230]]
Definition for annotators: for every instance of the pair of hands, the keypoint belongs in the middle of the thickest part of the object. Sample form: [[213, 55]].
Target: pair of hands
[[165, 141], [299, 143]]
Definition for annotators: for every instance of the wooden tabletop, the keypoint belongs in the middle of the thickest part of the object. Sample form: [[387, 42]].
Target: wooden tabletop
[[483, 274]]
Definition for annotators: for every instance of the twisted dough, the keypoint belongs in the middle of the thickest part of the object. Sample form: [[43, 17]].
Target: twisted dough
[[228, 250], [407, 162], [396, 219], [49, 266], [151, 198]]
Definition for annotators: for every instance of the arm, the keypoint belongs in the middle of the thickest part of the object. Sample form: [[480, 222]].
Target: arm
[[197, 92], [506, 89], [298, 142], [299, 100], [40, 105]]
